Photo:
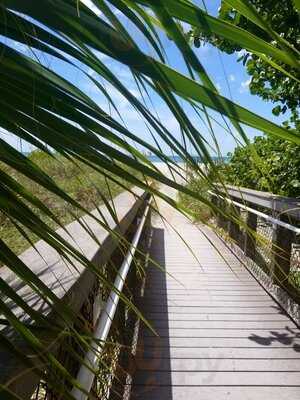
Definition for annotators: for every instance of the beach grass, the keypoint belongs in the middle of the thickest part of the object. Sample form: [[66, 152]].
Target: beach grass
[[78, 180], [200, 212]]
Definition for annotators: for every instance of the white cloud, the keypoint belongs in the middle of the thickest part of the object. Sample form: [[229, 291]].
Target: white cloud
[[244, 86], [218, 86], [122, 104], [231, 77]]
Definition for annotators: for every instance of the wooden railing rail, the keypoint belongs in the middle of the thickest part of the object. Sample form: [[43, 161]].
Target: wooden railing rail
[[84, 294], [86, 376], [278, 205], [266, 228]]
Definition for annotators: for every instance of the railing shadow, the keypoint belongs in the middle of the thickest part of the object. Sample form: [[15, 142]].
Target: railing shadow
[[152, 379]]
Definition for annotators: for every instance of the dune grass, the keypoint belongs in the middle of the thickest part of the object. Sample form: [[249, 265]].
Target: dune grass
[[200, 212], [80, 181]]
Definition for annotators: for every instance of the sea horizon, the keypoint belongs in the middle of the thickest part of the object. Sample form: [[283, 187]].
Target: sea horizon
[[177, 159]]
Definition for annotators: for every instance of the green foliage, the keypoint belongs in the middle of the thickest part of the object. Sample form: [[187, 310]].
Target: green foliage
[[43, 108], [279, 170], [266, 81], [80, 181], [198, 210]]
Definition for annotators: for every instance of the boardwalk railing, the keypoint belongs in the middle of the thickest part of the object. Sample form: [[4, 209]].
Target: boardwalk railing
[[86, 375], [265, 229], [97, 309]]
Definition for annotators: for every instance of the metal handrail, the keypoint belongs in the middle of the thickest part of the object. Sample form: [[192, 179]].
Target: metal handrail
[[259, 213], [86, 375], [279, 204]]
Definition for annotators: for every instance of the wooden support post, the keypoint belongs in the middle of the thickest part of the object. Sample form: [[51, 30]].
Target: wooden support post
[[250, 241], [221, 219], [233, 227], [281, 250], [215, 200]]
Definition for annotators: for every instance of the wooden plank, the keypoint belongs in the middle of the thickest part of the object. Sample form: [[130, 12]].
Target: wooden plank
[[221, 336], [214, 310], [222, 333], [200, 276], [200, 303], [204, 286], [207, 296], [215, 393], [233, 324], [222, 290], [220, 364], [201, 279], [217, 317], [217, 378], [261, 352], [219, 342]]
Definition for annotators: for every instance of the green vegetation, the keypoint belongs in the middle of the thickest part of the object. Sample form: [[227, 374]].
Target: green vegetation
[[279, 170], [81, 182], [266, 81], [200, 212], [46, 109]]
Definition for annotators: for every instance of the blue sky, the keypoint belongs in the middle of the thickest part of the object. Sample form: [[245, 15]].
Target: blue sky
[[212, 61]]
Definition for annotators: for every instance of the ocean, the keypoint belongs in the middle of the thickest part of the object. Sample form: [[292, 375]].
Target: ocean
[[155, 159]]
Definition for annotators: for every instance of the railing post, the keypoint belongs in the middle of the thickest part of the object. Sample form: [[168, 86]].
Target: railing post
[[250, 241], [281, 250], [220, 204], [233, 227]]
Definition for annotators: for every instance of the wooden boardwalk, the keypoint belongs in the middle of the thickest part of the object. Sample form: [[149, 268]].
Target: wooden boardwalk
[[221, 336]]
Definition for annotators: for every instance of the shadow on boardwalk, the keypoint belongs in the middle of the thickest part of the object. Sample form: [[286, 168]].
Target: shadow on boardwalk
[[153, 353], [222, 336]]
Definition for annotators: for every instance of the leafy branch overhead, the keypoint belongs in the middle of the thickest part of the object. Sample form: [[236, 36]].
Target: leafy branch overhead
[[279, 157], [268, 82]]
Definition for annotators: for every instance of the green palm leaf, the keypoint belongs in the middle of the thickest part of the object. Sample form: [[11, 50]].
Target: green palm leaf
[[46, 110]]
